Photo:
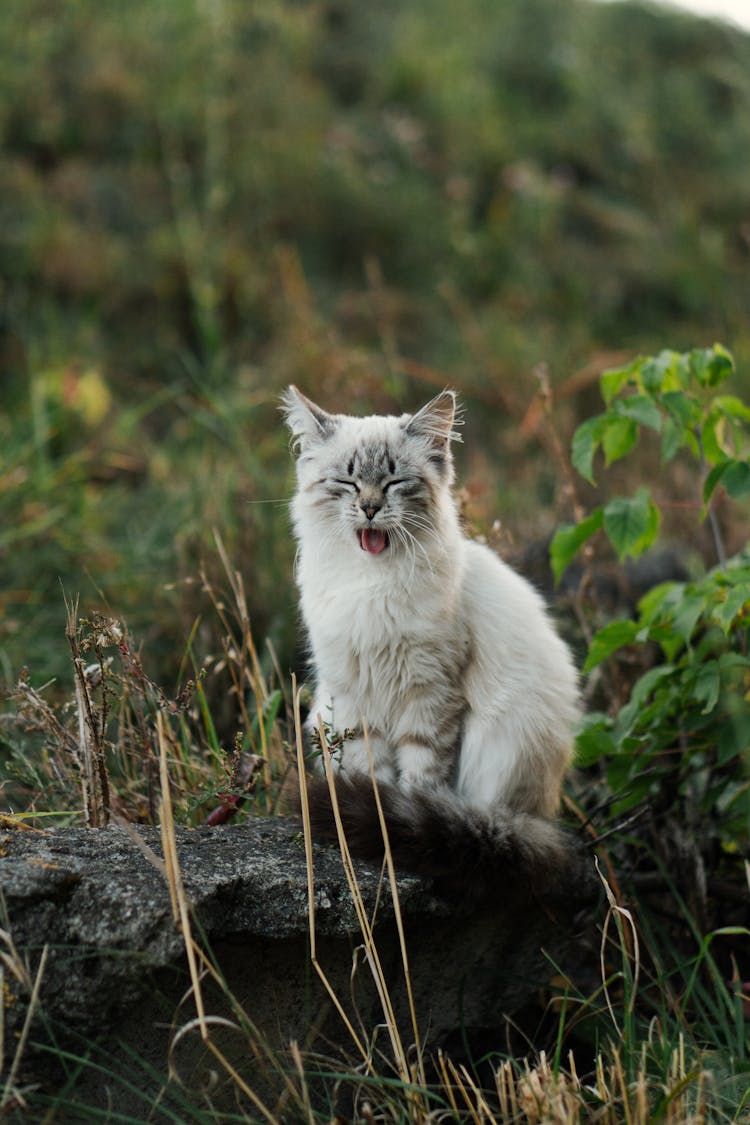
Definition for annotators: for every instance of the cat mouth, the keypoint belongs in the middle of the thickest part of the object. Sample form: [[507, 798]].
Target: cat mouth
[[373, 540]]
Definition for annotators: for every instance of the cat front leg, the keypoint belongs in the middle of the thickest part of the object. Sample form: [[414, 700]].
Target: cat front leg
[[350, 748], [357, 753], [422, 765], [426, 735]]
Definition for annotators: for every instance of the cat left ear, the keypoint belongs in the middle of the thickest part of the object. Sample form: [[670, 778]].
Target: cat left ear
[[436, 420], [306, 420]]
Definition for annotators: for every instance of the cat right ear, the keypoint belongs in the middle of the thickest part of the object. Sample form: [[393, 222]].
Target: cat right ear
[[307, 421], [436, 420]]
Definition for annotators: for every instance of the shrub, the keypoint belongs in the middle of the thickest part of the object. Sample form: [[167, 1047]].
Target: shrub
[[680, 742]]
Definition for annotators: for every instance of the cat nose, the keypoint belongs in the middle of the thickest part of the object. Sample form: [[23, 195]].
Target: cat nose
[[370, 508]]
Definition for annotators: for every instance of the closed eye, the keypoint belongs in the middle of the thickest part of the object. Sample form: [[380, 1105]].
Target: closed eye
[[394, 483], [348, 484]]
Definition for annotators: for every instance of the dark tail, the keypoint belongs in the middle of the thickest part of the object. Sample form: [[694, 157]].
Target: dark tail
[[435, 834]]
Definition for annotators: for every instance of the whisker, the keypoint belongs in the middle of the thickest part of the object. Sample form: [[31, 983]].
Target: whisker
[[415, 545], [408, 548], [425, 528], [405, 539]]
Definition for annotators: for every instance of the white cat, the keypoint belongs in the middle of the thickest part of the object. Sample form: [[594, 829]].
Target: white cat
[[428, 641]]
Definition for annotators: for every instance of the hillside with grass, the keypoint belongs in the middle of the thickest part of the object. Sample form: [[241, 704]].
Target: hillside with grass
[[202, 201]]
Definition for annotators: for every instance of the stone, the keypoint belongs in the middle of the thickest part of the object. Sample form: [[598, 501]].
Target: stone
[[115, 973]]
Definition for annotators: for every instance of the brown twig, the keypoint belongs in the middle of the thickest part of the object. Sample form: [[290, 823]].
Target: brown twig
[[91, 730]]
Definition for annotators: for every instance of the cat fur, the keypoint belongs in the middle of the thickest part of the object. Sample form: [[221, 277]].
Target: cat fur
[[437, 663]]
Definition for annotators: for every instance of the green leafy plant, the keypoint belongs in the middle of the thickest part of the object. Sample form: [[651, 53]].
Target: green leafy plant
[[684, 732], [673, 395]]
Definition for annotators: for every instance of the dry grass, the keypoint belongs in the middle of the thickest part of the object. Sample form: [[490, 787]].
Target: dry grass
[[124, 748], [634, 1080], [15, 974], [98, 755]]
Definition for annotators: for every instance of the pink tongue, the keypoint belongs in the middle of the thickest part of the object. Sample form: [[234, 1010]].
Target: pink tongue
[[373, 541]]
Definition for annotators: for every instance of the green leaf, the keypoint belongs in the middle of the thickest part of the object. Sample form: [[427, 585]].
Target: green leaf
[[673, 438], [682, 413], [737, 572], [687, 614], [734, 737], [725, 614], [646, 683], [659, 600], [569, 540], [618, 438], [612, 381], [656, 370], [732, 407], [713, 479], [642, 409], [608, 640], [594, 742], [652, 694], [631, 524], [730, 661], [706, 686], [630, 790], [712, 438], [733, 474], [711, 366], [736, 479], [681, 407], [586, 441]]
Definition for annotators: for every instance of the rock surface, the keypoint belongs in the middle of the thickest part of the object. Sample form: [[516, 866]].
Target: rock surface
[[115, 969]]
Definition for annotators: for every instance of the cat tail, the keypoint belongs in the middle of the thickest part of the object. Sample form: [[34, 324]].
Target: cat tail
[[435, 834]]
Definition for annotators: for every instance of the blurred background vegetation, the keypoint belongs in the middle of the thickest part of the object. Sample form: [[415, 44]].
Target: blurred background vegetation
[[202, 200]]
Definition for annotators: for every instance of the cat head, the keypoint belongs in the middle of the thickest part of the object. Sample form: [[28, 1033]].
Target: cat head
[[379, 483]]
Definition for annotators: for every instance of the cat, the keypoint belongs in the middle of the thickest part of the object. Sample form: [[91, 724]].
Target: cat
[[433, 659]]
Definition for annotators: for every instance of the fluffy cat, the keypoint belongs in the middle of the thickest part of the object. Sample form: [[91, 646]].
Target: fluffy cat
[[432, 644]]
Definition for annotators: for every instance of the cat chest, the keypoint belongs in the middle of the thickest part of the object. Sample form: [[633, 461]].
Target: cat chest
[[381, 646], [380, 677]]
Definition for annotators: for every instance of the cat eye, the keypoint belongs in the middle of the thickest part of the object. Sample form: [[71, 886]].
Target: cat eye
[[348, 484], [392, 483]]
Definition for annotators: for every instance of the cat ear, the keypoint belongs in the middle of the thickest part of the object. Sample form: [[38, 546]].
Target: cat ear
[[307, 421], [436, 420]]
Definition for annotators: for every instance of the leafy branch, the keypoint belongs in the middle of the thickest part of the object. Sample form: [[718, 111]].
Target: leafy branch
[[679, 742], [671, 394]]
